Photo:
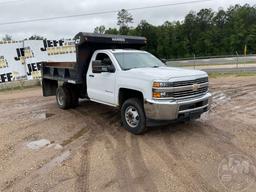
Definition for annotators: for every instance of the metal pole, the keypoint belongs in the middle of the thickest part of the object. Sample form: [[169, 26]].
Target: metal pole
[[237, 55], [194, 61], [245, 56]]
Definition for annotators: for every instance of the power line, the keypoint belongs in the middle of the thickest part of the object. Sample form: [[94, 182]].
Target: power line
[[101, 13], [12, 1]]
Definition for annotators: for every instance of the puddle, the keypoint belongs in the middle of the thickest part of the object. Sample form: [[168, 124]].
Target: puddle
[[41, 115], [55, 162], [35, 145]]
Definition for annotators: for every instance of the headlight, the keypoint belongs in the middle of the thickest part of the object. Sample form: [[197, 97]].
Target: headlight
[[162, 84], [160, 90]]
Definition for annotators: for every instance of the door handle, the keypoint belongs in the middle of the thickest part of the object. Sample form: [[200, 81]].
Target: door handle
[[91, 75]]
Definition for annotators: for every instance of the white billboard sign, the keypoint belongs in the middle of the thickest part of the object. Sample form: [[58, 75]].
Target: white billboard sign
[[23, 59]]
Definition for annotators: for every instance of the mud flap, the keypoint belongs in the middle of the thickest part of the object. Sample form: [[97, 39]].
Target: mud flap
[[49, 87]]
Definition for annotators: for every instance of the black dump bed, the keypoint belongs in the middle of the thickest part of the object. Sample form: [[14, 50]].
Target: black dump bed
[[86, 45]]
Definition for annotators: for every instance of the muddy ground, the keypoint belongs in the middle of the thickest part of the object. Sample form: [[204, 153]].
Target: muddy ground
[[43, 148]]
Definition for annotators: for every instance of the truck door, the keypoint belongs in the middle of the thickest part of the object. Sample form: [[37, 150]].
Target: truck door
[[101, 86]]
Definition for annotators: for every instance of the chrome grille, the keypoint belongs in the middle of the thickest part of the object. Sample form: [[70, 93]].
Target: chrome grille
[[184, 89], [191, 82], [187, 93]]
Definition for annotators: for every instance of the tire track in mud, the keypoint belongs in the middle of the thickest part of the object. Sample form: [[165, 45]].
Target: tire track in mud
[[20, 110], [226, 147], [51, 188], [14, 183], [234, 93], [82, 181], [218, 140], [123, 175], [237, 109], [234, 105], [122, 153], [140, 168], [177, 171], [177, 155], [119, 154]]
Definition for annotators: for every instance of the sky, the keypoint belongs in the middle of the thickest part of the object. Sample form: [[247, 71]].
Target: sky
[[16, 10]]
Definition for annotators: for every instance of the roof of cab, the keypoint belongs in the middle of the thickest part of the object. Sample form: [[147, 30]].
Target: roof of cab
[[125, 51]]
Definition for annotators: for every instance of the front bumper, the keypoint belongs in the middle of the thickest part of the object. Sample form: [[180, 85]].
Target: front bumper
[[173, 110]]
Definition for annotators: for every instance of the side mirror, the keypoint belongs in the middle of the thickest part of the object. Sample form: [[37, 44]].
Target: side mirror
[[98, 67], [111, 69]]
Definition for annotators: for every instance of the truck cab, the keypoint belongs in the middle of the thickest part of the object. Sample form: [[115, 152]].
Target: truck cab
[[133, 80]]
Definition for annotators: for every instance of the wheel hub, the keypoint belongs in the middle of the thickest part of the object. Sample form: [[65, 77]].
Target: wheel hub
[[60, 98], [132, 116]]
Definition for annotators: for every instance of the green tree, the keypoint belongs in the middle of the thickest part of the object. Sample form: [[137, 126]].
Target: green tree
[[124, 18], [149, 31], [113, 31], [204, 33], [100, 30]]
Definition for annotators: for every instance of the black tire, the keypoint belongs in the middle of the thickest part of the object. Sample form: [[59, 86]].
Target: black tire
[[63, 97], [132, 106]]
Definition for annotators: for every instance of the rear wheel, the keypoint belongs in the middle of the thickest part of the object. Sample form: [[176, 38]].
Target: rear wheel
[[63, 97], [133, 116]]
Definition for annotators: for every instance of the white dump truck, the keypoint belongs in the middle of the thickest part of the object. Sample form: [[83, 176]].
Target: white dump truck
[[112, 70]]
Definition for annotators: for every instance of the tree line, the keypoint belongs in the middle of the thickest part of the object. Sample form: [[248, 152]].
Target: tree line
[[202, 33]]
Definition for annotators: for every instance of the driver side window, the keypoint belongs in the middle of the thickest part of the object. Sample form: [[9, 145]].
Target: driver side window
[[104, 58]]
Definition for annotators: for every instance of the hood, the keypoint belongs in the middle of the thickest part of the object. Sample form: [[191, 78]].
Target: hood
[[166, 73]]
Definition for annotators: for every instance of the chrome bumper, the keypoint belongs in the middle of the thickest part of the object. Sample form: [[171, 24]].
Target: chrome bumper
[[171, 110]]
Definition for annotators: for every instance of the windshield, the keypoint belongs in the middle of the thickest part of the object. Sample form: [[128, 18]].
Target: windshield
[[133, 60]]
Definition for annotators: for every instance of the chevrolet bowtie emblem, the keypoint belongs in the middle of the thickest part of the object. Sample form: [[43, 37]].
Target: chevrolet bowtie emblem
[[195, 87]]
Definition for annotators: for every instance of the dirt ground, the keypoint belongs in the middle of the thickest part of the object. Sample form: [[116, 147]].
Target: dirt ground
[[43, 148]]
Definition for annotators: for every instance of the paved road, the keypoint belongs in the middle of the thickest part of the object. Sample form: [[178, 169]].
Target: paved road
[[214, 61], [221, 68], [231, 70]]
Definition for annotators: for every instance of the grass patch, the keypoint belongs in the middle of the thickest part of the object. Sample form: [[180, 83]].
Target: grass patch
[[236, 74]]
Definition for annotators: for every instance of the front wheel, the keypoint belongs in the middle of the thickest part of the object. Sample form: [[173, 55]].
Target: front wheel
[[133, 116]]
